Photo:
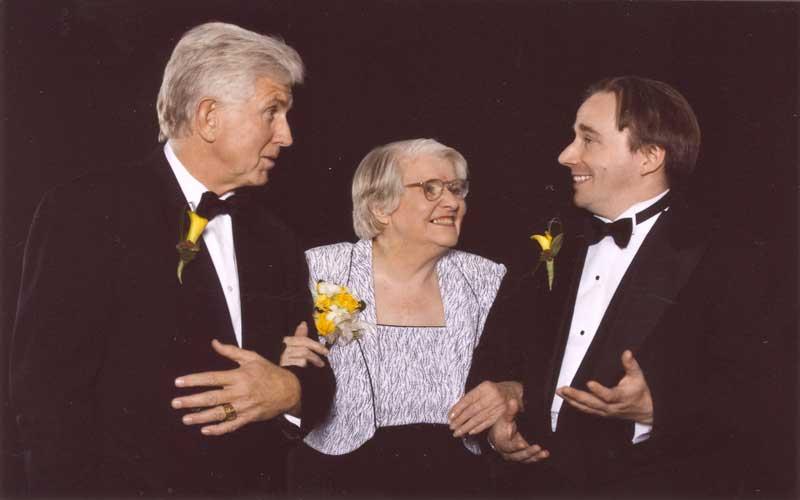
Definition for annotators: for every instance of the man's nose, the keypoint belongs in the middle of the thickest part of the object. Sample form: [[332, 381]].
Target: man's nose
[[568, 155], [283, 133]]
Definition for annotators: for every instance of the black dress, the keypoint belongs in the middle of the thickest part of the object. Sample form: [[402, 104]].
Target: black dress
[[420, 460]]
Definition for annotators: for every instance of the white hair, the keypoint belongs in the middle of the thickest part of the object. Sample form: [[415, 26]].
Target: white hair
[[222, 61], [378, 181]]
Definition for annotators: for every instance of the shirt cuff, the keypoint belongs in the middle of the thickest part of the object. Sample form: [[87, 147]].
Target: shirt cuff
[[294, 420], [641, 432]]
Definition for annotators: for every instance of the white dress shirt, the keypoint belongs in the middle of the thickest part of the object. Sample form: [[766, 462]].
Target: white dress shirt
[[605, 265], [218, 237]]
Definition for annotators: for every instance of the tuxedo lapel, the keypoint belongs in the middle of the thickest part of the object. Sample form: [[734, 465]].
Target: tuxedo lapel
[[200, 294], [650, 286]]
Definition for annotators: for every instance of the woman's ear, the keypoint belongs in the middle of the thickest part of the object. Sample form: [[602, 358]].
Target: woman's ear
[[380, 214]]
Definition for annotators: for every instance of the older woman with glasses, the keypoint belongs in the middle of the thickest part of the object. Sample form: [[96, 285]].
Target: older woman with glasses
[[393, 428]]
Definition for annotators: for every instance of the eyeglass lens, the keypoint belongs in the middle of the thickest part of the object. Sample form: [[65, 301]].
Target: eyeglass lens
[[433, 188]]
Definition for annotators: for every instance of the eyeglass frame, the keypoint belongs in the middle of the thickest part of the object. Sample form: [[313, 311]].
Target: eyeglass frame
[[445, 185]]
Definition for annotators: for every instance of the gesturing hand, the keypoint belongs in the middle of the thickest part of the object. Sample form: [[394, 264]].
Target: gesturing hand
[[630, 399], [301, 350], [257, 390], [509, 443], [481, 407]]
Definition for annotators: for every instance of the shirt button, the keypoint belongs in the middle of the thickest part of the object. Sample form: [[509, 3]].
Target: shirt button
[[230, 288], [582, 332], [597, 277]]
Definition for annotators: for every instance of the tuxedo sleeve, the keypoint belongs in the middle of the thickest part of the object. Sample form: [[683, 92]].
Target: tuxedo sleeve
[[318, 384], [501, 352], [63, 316]]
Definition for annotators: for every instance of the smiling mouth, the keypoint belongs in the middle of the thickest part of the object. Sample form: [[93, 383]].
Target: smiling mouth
[[447, 220], [580, 179]]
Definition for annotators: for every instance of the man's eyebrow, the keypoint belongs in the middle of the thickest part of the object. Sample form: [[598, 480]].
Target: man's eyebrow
[[587, 129], [280, 100]]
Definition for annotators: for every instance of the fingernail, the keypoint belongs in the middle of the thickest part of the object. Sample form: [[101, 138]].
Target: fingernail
[[205, 431], [176, 403], [179, 382], [187, 419]]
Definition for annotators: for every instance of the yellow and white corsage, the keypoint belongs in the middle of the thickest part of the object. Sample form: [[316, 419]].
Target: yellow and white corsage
[[336, 312]]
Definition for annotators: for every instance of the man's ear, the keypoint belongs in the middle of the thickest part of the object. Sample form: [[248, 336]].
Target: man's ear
[[206, 119], [652, 159]]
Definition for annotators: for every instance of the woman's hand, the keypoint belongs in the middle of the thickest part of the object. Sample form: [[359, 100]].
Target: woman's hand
[[301, 350], [483, 406]]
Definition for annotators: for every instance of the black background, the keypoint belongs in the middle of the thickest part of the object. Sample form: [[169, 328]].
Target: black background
[[498, 80]]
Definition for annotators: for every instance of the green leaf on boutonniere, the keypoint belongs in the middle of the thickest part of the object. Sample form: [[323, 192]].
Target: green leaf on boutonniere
[[550, 246]]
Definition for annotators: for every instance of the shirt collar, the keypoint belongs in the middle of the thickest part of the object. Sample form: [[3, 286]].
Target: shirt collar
[[635, 208], [191, 188]]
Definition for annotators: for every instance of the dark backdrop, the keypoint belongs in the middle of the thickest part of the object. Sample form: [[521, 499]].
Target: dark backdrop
[[498, 80]]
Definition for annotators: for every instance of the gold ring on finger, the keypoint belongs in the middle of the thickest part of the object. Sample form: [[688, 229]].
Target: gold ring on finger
[[230, 412]]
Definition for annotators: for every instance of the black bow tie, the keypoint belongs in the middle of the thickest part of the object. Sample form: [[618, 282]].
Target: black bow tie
[[211, 205], [622, 229]]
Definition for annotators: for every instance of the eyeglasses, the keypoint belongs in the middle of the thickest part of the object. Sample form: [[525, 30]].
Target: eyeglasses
[[433, 188]]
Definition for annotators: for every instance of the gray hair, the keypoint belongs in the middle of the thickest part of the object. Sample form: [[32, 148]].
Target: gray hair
[[223, 61], [378, 181]]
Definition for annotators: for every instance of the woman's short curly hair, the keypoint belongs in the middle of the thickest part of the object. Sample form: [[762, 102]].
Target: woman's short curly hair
[[378, 181]]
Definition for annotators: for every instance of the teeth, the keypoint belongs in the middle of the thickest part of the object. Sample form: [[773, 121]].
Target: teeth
[[581, 178], [444, 221]]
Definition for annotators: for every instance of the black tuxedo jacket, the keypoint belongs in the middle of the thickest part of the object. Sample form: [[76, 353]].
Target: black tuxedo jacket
[[103, 328], [686, 308]]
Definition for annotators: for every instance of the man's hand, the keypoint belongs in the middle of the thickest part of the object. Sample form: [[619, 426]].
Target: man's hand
[[301, 350], [509, 443], [481, 407], [257, 390], [630, 399]]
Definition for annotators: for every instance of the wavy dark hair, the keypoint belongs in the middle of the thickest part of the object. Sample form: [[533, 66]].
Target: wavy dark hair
[[655, 114]]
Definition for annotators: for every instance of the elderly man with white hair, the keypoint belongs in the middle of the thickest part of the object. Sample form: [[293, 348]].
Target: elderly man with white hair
[[135, 277]]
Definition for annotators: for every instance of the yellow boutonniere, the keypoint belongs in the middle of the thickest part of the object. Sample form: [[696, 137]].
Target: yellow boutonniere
[[550, 246], [188, 248]]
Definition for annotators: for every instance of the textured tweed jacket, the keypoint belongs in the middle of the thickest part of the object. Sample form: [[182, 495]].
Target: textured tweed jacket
[[433, 363]]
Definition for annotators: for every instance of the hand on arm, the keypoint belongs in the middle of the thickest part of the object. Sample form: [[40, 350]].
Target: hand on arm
[[301, 350], [257, 390], [481, 407], [630, 399], [506, 440]]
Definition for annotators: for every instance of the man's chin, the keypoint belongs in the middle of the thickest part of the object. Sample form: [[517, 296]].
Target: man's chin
[[260, 179]]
